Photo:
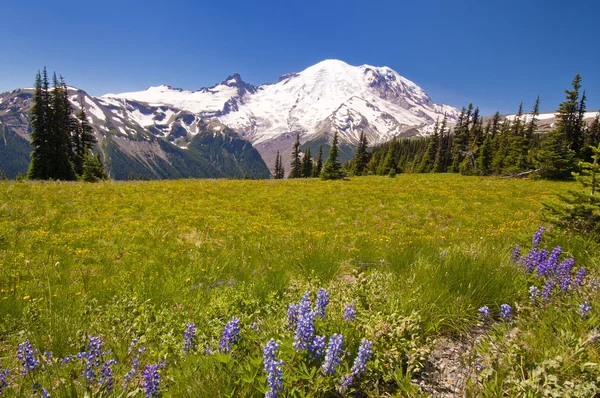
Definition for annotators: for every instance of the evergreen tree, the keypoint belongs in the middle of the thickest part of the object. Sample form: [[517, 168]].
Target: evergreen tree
[[296, 163], [427, 162], [93, 170], [555, 158], [318, 166], [361, 159], [307, 164], [390, 160], [61, 128], [501, 146], [41, 156], [83, 139], [484, 160], [461, 140], [443, 154], [570, 116], [332, 169], [3, 176], [532, 125], [277, 167]]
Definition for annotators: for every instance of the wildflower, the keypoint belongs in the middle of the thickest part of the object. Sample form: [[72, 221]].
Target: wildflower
[[254, 326], [92, 358], [484, 313], [548, 288], [151, 381], [106, 375], [584, 309], [135, 364], [45, 393], [189, 338], [316, 347], [580, 276], [505, 311], [231, 334], [533, 293], [360, 363], [272, 367], [26, 355], [537, 237], [515, 254], [3, 382], [333, 353], [550, 266], [292, 315], [321, 303], [350, 313], [305, 329], [133, 344]]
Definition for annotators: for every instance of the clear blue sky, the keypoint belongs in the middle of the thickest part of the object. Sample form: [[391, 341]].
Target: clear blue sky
[[493, 53]]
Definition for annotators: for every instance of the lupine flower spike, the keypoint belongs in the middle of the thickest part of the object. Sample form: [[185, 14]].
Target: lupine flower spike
[[333, 354], [273, 370]]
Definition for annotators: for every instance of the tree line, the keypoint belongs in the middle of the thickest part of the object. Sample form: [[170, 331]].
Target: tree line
[[508, 147], [62, 142]]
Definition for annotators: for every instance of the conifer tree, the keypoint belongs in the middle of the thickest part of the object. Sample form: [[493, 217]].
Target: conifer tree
[[307, 164], [484, 160], [60, 128], [3, 176], [443, 154], [277, 167], [296, 163], [93, 170], [390, 160], [570, 116], [428, 161], [83, 139], [332, 169], [361, 158], [41, 156], [532, 125], [461, 138], [318, 166]]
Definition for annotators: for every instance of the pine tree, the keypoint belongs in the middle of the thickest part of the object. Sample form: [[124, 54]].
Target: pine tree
[[307, 164], [484, 160], [60, 133], [296, 163], [93, 170], [390, 160], [41, 156], [428, 160], [278, 166], [83, 139], [361, 159], [501, 146], [443, 154], [3, 176], [318, 167], [532, 125], [332, 169], [570, 116], [461, 139]]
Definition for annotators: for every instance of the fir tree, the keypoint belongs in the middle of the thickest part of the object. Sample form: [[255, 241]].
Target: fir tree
[[484, 160], [428, 160], [442, 156], [570, 116], [93, 170], [41, 156], [296, 163], [532, 125], [318, 167], [83, 139], [278, 174], [3, 176], [361, 159], [332, 169], [307, 164]]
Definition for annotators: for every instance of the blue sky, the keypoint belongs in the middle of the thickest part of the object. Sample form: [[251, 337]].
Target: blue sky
[[492, 53]]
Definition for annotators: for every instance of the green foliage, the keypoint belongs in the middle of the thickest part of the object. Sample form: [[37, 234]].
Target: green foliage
[[361, 158], [93, 169], [296, 163], [579, 211], [332, 169]]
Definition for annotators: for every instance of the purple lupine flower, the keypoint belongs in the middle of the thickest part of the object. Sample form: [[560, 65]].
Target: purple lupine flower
[[530, 262], [321, 303], [484, 312], [548, 289], [515, 254], [316, 348], [350, 313], [292, 315], [533, 293], [48, 355], [537, 237], [550, 266], [189, 338], [254, 326], [44, 393], [360, 364], [135, 365], [505, 311], [580, 276], [305, 328], [26, 355], [231, 334], [584, 309], [67, 359], [3, 380], [272, 367], [333, 354], [92, 358], [106, 375], [133, 344], [151, 381]]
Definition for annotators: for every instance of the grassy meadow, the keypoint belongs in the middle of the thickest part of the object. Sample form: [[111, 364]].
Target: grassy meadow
[[417, 255]]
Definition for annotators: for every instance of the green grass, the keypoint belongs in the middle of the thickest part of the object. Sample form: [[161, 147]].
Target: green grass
[[127, 259]]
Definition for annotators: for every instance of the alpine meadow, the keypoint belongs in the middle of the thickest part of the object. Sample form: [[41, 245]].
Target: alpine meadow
[[332, 232]]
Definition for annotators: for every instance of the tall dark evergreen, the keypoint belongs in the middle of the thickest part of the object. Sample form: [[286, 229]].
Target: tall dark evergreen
[[332, 169], [428, 160], [460, 140], [443, 154], [361, 159], [307, 164], [41, 156], [296, 163], [276, 172], [484, 160], [532, 125], [83, 139], [318, 167], [570, 116], [61, 125]]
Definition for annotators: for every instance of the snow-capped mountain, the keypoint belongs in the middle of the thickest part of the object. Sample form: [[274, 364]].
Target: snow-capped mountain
[[326, 97]]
